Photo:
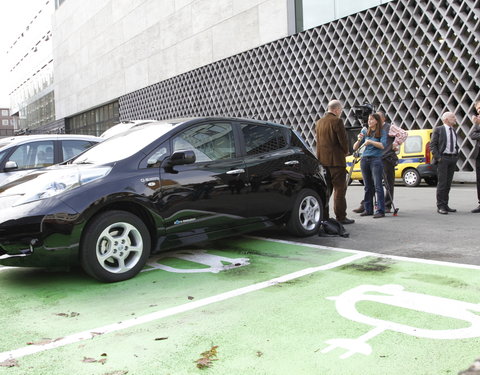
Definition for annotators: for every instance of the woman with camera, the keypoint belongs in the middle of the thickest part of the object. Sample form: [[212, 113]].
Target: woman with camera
[[374, 139]]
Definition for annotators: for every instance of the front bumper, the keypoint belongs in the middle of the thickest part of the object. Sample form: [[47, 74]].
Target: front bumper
[[32, 236]]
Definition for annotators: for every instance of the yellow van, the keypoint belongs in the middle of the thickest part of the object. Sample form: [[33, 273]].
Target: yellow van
[[414, 160]]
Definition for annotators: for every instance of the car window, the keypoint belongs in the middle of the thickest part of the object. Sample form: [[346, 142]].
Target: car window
[[212, 141], [71, 148], [413, 144], [262, 138], [124, 144], [33, 155]]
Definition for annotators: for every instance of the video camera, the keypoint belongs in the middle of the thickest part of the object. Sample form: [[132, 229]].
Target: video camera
[[361, 113]]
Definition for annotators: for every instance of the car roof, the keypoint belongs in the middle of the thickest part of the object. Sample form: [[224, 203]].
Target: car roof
[[10, 141]]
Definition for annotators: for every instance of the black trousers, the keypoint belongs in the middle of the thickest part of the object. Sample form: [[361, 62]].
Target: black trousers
[[445, 170], [389, 177], [477, 169]]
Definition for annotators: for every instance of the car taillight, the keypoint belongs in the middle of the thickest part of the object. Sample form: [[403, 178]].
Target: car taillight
[[427, 153]]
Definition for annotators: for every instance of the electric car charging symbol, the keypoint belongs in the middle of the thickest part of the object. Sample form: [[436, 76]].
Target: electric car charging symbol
[[395, 295], [213, 263]]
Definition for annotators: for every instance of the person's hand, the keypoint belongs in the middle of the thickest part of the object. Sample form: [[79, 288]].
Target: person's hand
[[476, 120], [395, 147], [360, 136]]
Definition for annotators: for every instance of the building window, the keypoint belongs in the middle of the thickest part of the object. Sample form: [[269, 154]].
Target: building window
[[5, 112], [4, 122], [95, 121], [311, 13]]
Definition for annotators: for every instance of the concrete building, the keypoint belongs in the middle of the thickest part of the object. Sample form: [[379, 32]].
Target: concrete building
[[30, 60], [278, 60]]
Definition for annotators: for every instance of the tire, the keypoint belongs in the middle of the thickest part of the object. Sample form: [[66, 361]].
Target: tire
[[431, 181], [306, 214], [411, 177], [115, 246]]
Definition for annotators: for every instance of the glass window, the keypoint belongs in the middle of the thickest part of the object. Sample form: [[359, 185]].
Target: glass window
[[261, 138], [413, 144], [4, 112], [74, 147], [33, 155], [4, 122], [213, 141]]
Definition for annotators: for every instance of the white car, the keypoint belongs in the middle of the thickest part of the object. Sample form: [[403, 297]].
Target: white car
[[21, 154]]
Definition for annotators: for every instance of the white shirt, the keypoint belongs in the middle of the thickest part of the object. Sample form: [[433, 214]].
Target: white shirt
[[448, 148]]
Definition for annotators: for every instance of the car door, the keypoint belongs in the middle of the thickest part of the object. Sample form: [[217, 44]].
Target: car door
[[274, 169], [209, 194]]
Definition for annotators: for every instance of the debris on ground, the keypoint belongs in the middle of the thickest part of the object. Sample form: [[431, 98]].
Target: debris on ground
[[207, 358]]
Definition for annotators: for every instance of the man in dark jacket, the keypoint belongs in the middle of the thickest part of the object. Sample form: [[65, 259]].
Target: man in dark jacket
[[332, 147], [445, 153], [475, 135]]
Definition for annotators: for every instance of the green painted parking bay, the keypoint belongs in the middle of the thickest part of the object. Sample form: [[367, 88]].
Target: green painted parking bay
[[268, 307]]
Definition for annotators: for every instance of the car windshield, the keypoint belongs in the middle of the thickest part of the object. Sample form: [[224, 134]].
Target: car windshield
[[125, 144]]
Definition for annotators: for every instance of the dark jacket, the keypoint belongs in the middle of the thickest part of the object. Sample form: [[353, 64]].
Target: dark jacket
[[475, 135], [439, 142], [332, 143]]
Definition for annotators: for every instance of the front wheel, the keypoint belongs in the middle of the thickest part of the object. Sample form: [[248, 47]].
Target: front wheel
[[115, 246], [307, 212], [411, 177]]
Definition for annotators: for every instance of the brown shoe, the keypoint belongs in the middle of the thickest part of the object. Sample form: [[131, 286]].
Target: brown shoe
[[359, 210]]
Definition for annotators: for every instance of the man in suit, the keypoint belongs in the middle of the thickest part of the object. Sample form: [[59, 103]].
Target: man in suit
[[444, 148], [332, 147], [475, 135]]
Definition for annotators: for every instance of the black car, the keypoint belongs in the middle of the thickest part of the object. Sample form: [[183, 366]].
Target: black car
[[158, 186]]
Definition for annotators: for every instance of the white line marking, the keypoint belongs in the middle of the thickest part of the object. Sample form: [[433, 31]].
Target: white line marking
[[85, 335], [368, 253]]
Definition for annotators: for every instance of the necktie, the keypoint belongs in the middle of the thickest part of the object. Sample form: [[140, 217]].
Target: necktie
[[452, 145]]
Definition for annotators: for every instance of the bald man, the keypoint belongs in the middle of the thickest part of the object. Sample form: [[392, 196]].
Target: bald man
[[332, 147], [444, 148]]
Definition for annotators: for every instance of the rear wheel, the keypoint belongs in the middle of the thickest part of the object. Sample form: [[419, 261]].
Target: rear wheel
[[307, 212], [115, 246], [411, 177]]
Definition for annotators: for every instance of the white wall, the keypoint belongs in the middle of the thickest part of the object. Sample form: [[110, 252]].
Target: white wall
[[107, 48]]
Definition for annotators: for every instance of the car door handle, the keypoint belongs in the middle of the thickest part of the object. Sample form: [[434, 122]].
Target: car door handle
[[292, 162], [236, 171]]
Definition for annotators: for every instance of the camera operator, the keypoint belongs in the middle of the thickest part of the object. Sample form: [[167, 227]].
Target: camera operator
[[395, 137]]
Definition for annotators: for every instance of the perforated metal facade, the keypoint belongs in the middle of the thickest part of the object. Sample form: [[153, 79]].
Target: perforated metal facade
[[412, 59]]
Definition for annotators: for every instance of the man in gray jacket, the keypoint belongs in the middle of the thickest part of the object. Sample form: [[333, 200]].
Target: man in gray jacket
[[475, 135]]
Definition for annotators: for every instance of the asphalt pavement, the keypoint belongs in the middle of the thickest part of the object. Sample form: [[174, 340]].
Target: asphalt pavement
[[417, 231]]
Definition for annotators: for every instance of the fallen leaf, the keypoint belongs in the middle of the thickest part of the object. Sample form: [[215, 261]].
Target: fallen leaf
[[43, 341], [259, 353], [89, 360], [161, 338], [206, 359], [9, 363], [96, 333], [119, 372], [190, 298]]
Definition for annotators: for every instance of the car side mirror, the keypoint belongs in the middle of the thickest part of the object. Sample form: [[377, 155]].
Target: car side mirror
[[9, 165], [180, 158]]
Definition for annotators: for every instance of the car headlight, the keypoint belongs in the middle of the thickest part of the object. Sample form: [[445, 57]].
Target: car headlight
[[58, 181]]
